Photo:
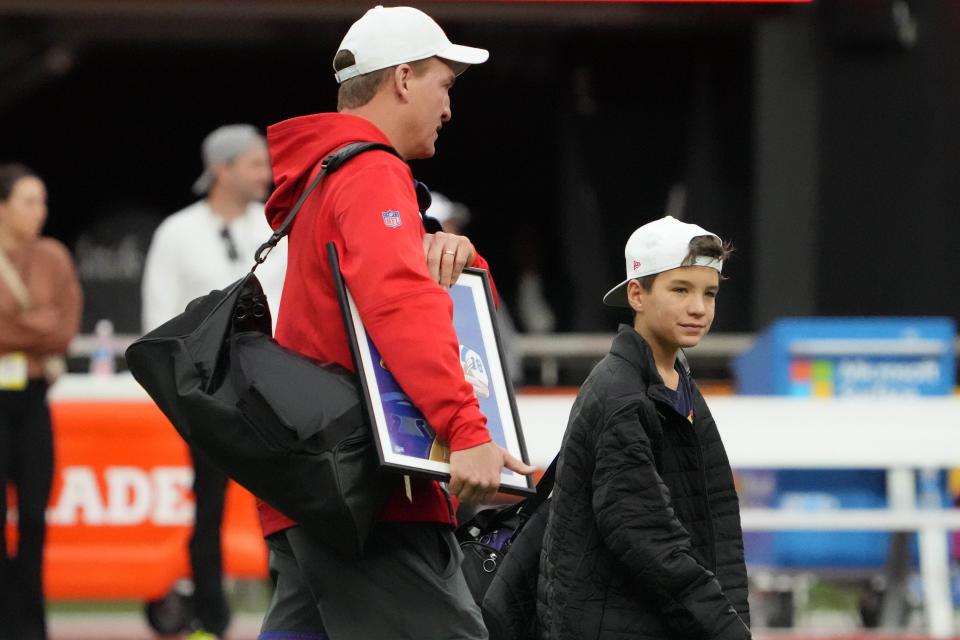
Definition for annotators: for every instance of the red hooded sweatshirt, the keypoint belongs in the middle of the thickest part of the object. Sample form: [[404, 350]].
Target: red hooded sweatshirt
[[406, 313]]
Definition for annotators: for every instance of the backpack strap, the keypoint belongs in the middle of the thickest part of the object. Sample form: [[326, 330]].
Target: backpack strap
[[327, 166], [11, 277], [544, 487]]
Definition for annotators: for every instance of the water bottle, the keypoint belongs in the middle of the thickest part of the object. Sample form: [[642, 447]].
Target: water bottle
[[102, 359]]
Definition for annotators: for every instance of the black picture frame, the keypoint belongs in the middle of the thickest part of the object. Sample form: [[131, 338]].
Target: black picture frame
[[405, 441]]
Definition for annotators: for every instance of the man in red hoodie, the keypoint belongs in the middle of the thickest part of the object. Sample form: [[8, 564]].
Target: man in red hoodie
[[395, 67]]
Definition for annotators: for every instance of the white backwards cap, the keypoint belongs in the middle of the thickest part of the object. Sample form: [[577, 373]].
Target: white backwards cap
[[656, 247]]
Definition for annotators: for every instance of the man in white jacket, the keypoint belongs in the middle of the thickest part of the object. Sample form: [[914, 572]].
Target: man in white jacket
[[203, 247], [211, 243]]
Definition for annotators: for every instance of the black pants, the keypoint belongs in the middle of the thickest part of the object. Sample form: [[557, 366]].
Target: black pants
[[206, 557], [26, 461], [408, 586]]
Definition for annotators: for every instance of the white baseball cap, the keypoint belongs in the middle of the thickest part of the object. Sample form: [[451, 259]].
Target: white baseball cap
[[388, 36], [656, 247], [443, 209]]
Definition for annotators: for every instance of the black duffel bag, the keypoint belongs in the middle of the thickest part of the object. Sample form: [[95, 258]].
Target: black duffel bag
[[501, 561], [289, 429]]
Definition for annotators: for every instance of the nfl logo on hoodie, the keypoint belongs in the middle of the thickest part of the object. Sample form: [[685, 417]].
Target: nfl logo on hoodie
[[391, 219]]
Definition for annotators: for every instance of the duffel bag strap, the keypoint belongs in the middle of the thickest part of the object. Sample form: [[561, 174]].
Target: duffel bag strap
[[327, 166]]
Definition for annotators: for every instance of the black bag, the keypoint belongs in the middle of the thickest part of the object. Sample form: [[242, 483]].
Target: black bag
[[290, 430], [501, 561]]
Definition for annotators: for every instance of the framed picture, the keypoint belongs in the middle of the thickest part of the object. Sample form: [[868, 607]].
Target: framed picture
[[405, 440]]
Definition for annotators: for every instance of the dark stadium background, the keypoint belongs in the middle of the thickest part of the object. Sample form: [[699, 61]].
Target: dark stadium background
[[819, 138]]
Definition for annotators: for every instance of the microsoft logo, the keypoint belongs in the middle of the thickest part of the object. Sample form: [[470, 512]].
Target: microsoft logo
[[812, 378]]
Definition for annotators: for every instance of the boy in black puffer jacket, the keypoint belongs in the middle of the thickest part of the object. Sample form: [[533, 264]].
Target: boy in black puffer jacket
[[644, 537]]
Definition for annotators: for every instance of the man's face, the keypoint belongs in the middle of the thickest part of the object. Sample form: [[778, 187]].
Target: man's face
[[678, 310], [248, 175], [429, 106]]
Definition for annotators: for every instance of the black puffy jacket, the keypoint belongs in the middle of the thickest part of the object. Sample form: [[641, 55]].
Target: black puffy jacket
[[643, 538]]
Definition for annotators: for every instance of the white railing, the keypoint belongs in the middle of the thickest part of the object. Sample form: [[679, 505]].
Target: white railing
[[548, 351]]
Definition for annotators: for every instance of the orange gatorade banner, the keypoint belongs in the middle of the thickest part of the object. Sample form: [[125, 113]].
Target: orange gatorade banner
[[121, 509]]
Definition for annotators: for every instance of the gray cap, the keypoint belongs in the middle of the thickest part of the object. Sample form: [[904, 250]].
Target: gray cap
[[222, 145]]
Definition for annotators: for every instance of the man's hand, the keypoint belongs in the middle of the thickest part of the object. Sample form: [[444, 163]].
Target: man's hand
[[475, 472], [447, 254]]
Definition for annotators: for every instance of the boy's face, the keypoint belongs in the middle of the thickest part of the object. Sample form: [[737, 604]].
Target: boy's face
[[678, 310]]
